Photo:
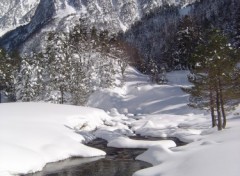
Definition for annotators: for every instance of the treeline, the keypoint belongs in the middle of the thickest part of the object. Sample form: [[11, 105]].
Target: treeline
[[167, 35], [207, 43], [70, 67], [203, 38]]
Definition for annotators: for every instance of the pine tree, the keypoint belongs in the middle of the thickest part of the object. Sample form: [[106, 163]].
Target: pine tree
[[154, 71], [58, 54], [9, 66], [29, 84], [186, 40], [215, 63], [237, 26], [80, 89], [107, 74]]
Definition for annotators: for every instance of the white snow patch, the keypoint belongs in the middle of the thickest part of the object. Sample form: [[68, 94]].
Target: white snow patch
[[67, 10], [124, 142], [33, 134], [216, 154]]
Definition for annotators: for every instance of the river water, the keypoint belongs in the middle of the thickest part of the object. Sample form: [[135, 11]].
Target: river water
[[117, 162]]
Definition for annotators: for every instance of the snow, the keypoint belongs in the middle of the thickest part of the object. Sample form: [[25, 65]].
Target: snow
[[217, 154], [67, 10], [45, 133], [33, 134], [141, 97], [123, 142], [122, 26], [162, 111]]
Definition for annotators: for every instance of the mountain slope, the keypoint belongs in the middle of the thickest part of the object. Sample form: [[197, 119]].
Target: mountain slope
[[113, 15], [14, 13]]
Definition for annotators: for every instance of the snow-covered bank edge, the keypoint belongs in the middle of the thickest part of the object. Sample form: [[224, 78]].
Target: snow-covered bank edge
[[216, 153], [34, 134]]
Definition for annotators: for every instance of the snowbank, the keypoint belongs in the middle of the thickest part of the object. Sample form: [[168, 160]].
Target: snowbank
[[216, 154], [162, 111], [123, 142], [33, 134]]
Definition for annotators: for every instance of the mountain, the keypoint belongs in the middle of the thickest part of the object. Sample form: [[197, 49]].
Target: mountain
[[71, 48], [14, 13], [30, 18]]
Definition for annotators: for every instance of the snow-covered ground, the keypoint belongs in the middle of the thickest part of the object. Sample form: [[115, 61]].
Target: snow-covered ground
[[33, 134], [162, 111], [215, 154]]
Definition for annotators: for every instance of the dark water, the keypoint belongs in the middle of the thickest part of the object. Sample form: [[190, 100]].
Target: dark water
[[118, 162], [102, 167]]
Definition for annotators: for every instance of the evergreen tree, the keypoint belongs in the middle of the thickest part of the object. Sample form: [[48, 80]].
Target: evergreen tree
[[80, 89], [30, 81], [237, 26], [107, 73], [215, 63], [186, 40], [9, 66], [154, 71]]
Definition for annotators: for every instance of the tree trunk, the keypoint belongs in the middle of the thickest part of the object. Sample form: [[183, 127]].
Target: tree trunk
[[61, 90], [219, 117], [212, 108], [222, 104]]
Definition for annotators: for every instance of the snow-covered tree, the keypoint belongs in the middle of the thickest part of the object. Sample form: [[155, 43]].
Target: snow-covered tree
[[80, 88], [9, 65], [29, 84], [154, 71], [58, 54], [106, 73]]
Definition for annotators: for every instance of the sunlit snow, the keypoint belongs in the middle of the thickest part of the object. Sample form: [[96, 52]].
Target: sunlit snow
[[33, 134]]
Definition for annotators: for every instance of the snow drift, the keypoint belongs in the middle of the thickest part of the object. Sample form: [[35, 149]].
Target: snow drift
[[33, 134]]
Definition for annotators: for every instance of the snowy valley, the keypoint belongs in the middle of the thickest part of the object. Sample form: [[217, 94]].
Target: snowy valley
[[119, 87], [34, 134]]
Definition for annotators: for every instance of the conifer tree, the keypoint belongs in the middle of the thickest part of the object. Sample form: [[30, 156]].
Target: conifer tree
[[30, 81], [237, 26], [79, 88], [187, 38], [58, 54], [9, 66], [154, 72], [215, 63]]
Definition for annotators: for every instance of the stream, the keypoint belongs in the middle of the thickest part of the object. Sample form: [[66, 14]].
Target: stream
[[117, 162]]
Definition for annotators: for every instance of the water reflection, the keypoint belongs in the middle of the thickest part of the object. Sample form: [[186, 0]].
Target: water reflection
[[118, 162], [103, 167]]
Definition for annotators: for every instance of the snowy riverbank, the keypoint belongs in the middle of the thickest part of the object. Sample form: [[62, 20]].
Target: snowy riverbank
[[33, 134]]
